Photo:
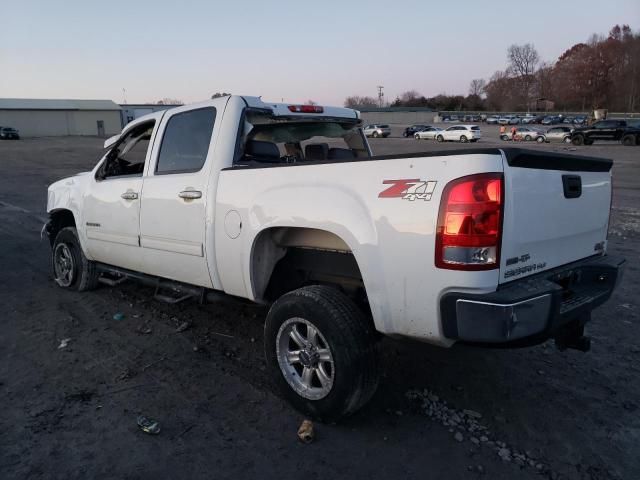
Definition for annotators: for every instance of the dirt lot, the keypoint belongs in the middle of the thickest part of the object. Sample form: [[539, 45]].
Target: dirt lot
[[71, 412]]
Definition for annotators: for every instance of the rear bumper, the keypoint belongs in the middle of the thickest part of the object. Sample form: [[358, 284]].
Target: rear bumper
[[534, 309]]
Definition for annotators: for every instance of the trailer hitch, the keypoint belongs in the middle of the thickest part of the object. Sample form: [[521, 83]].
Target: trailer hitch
[[572, 335]]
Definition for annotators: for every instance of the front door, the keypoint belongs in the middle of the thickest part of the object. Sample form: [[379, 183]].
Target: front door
[[173, 218], [111, 211], [100, 128]]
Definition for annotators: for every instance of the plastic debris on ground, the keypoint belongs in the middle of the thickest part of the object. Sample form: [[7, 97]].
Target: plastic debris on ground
[[305, 432], [148, 425]]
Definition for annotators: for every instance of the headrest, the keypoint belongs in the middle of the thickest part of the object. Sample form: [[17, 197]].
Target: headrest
[[316, 151], [258, 148], [340, 154]]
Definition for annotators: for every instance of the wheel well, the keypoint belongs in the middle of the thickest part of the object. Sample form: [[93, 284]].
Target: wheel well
[[58, 220], [287, 258]]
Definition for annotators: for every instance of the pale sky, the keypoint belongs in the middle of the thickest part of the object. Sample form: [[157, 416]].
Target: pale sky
[[296, 50]]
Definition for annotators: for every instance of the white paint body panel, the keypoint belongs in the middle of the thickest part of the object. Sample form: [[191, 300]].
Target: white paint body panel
[[209, 241]]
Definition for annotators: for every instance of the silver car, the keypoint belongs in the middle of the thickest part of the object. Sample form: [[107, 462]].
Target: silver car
[[377, 130], [525, 133], [558, 134], [427, 133]]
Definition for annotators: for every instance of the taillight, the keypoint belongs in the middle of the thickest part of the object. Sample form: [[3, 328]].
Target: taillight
[[470, 222], [306, 109]]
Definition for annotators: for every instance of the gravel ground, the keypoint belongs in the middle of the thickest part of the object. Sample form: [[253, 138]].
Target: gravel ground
[[70, 411]]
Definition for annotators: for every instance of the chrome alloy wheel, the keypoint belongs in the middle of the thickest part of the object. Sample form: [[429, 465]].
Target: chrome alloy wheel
[[63, 264], [305, 358]]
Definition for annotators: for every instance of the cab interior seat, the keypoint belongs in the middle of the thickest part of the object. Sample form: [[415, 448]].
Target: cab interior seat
[[316, 151]]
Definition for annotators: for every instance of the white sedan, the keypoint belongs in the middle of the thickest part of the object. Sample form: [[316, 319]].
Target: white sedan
[[428, 133], [460, 133]]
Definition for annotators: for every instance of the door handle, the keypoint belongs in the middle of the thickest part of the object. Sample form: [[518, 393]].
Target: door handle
[[129, 195], [190, 194]]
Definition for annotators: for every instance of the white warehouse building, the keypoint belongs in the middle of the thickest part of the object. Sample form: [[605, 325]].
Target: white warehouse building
[[34, 117]]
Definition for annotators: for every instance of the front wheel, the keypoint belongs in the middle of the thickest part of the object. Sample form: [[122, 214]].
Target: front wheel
[[321, 352], [540, 139], [416, 136], [628, 140], [527, 138], [463, 139], [375, 135], [578, 140], [440, 138], [567, 140], [71, 269]]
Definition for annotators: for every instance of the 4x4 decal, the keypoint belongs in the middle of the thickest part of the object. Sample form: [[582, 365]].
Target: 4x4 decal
[[409, 189]]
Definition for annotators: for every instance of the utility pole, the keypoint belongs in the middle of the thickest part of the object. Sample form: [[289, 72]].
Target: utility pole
[[380, 96]]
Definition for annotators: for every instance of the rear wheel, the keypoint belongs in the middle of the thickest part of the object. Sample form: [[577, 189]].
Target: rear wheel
[[527, 138], [463, 139], [440, 138], [375, 135], [71, 269], [321, 352], [566, 139], [540, 139], [416, 136], [578, 140], [628, 140]]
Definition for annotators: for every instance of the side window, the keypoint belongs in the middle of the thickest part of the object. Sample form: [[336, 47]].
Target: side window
[[186, 141], [128, 155]]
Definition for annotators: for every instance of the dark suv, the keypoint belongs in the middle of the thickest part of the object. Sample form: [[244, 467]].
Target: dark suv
[[616, 130], [8, 133]]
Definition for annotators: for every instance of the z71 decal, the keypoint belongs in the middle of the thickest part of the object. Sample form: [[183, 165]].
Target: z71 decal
[[409, 189]]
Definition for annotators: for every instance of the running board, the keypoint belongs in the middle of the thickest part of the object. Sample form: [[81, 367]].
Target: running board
[[181, 291]]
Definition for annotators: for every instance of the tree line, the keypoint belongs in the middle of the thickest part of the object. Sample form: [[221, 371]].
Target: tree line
[[604, 72]]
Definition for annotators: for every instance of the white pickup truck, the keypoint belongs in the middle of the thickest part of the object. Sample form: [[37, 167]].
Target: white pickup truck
[[286, 205]]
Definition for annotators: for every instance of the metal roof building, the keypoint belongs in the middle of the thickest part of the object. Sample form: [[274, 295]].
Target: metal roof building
[[35, 117]]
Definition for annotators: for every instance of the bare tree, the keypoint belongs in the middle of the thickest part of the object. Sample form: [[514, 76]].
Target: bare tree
[[169, 101], [476, 88], [356, 101], [523, 60]]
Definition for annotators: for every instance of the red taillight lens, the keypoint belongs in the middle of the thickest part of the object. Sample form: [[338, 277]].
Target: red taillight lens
[[306, 108], [470, 222]]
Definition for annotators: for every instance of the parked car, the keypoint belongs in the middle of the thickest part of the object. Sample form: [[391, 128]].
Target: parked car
[[615, 130], [427, 133], [558, 134], [526, 134], [8, 133], [377, 130], [551, 120], [493, 120], [460, 133], [514, 120], [527, 119], [338, 260], [580, 120], [504, 120], [410, 131], [451, 119]]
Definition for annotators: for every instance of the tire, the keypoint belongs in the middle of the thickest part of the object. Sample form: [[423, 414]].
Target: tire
[[578, 140], [540, 139], [440, 138], [527, 138], [71, 269], [416, 136], [343, 335], [504, 138], [375, 135], [628, 140], [463, 139], [566, 140]]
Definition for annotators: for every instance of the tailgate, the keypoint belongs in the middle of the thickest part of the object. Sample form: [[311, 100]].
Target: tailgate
[[556, 211]]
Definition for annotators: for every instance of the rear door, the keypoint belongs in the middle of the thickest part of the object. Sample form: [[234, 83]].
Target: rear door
[[556, 211], [172, 216]]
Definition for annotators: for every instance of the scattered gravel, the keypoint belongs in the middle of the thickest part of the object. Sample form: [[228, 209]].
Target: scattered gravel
[[466, 424]]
